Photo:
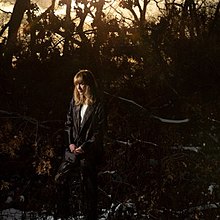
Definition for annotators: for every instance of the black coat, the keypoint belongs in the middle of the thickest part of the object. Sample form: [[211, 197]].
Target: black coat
[[89, 134]]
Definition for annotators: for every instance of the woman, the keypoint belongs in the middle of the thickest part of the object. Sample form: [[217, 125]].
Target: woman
[[85, 126]]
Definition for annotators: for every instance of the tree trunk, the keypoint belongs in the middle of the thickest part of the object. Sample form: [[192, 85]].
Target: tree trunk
[[32, 33], [14, 25], [215, 20], [66, 48]]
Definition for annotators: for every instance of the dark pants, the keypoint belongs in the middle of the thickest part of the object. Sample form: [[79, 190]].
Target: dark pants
[[88, 179], [89, 189]]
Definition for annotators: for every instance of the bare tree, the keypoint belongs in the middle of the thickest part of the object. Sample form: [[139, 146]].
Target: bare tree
[[139, 15], [215, 19], [67, 25], [14, 25]]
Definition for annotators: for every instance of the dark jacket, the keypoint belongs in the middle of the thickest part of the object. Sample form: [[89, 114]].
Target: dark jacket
[[89, 134]]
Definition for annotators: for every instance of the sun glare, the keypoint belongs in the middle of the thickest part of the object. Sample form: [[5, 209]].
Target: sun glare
[[111, 7], [6, 7]]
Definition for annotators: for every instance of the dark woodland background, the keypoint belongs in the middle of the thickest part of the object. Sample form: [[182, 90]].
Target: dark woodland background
[[161, 78]]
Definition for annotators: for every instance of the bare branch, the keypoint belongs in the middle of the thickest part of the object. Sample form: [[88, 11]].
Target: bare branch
[[121, 14], [23, 117], [164, 120], [6, 12], [4, 28]]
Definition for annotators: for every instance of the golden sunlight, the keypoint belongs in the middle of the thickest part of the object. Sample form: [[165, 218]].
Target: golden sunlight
[[111, 8]]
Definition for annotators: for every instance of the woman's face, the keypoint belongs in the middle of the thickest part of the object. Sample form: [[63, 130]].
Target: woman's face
[[81, 88]]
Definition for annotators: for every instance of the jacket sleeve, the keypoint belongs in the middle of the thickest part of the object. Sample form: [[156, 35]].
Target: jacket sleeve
[[98, 129], [69, 123]]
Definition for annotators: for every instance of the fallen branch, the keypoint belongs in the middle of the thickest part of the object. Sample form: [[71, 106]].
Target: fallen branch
[[172, 121], [130, 144], [164, 120], [194, 149], [197, 208]]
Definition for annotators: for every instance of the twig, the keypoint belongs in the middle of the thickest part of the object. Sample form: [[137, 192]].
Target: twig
[[7, 12], [4, 27], [124, 142], [105, 193], [147, 142], [26, 118]]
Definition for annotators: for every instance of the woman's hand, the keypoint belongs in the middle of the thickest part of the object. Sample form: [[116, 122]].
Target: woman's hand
[[78, 150], [72, 148]]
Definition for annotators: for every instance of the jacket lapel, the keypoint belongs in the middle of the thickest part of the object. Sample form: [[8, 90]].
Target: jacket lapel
[[76, 116], [88, 113]]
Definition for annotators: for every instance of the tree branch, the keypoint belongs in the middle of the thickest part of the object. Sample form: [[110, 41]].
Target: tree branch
[[26, 118], [164, 120]]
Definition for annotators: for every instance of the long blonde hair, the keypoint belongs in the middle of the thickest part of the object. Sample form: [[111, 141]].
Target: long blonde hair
[[87, 78]]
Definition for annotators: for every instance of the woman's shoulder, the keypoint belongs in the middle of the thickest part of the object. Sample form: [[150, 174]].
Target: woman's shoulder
[[100, 106], [72, 103]]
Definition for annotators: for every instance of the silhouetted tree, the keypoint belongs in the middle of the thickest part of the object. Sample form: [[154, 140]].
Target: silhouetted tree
[[67, 25], [16, 18]]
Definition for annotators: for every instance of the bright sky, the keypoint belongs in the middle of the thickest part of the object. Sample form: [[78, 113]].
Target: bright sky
[[7, 5]]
